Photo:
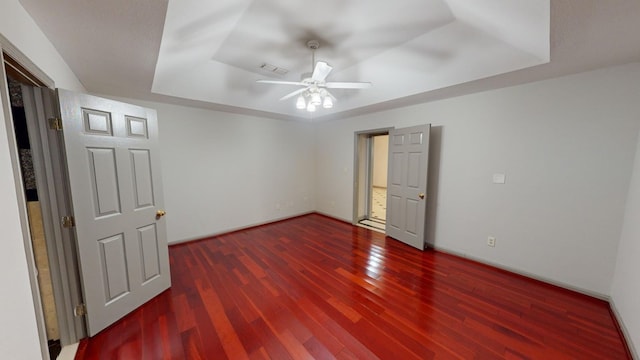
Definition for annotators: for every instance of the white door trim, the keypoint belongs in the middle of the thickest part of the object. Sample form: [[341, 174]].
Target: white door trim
[[60, 274], [360, 139], [22, 204], [7, 47], [51, 177]]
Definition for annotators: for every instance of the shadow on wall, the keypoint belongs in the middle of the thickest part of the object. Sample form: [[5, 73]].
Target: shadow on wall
[[435, 144]]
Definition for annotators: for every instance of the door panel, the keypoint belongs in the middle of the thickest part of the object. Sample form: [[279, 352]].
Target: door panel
[[411, 221], [113, 265], [104, 181], [97, 122], [413, 170], [114, 175], [394, 205], [136, 127], [142, 186], [407, 186], [395, 166], [150, 256]]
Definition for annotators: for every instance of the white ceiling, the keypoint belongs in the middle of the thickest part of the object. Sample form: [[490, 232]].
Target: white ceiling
[[208, 53]]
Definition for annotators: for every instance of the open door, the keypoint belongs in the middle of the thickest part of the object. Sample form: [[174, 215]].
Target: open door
[[116, 194], [407, 184]]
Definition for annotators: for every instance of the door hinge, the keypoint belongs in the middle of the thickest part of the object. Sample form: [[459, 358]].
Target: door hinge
[[80, 310], [68, 222], [55, 124]]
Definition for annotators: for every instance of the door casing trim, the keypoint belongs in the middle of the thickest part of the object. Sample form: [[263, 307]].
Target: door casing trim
[[361, 138], [58, 272]]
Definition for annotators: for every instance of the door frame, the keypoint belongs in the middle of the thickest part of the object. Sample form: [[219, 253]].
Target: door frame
[[55, 200], [362, 171], [63, 275]]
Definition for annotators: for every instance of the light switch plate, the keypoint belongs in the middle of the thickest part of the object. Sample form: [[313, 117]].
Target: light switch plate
[[499, 178]]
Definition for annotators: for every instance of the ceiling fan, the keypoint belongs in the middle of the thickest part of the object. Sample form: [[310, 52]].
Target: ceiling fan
[[314, 91]]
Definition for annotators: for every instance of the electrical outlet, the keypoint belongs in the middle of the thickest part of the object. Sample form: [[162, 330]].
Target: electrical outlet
[[491, 241]]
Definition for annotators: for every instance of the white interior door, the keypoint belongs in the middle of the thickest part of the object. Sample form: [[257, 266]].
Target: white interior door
[[407, 184], [116, 191]]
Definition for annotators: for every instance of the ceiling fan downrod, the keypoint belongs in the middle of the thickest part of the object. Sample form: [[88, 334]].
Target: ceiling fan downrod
[[313, 45]]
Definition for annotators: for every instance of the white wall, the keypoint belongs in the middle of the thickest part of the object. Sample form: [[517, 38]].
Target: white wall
[[380, 160], [566, 146], [223, 171], [19, 28], [18, 333], [625, 291]]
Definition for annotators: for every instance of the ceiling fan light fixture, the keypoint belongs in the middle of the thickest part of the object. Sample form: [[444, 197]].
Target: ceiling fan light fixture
[[316, 99], [300, 103], [313, 93], [327, 103], [311, 107]]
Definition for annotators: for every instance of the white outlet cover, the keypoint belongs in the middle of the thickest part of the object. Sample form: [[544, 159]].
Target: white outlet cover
[[499, 178], [491, 241]]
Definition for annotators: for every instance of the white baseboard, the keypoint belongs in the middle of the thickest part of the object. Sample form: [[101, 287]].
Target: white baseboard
[[623, 328], [349, 221], [595, 294], [230, 230], [561, 284]]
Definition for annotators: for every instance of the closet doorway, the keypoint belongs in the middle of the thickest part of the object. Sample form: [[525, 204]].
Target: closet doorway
[[34, 199], [371, 163]]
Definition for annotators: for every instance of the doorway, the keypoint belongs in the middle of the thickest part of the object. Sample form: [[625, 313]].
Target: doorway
[[42, 201], [372, 154], [404, 188], [38, 237]]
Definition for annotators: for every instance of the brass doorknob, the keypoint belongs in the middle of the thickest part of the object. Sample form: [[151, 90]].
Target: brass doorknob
[[160, 213], [421, 195]]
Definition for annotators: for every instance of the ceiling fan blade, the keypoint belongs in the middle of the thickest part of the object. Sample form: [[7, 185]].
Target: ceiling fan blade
[[321, 71], [278, 82], [348, 85], [292, 94]]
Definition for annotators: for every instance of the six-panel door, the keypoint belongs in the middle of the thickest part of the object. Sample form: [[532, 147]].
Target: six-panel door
[[116, 189], [407, 184]]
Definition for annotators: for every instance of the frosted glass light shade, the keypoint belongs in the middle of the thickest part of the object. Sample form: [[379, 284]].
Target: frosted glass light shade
[[328, 103], [311, 107], [300, 103]]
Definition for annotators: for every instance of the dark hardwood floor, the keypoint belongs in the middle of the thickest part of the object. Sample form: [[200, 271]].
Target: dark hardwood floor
[[314, 287]]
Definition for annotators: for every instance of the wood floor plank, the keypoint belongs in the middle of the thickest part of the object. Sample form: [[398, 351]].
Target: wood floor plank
[[312, 287]]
